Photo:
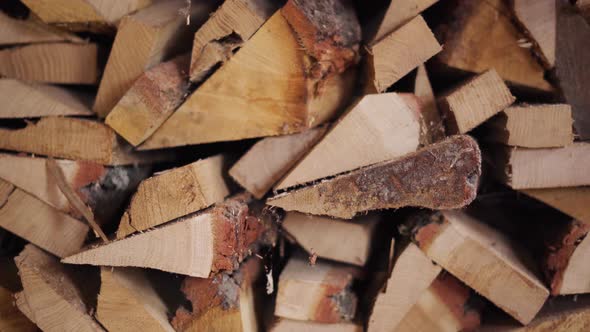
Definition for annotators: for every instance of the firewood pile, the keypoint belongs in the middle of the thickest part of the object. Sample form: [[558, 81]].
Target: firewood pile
[[267, 165]]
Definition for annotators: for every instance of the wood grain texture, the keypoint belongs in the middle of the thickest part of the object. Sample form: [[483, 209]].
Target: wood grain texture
[[378, 127], [398, 53], [539, 19], [291, 325], [434, 125], [396, 14], [441, 176], [573, 201], [11, 318], [63, 63], [271, 158], [150, 100], [475, 101], [173, 194], [17, 31]]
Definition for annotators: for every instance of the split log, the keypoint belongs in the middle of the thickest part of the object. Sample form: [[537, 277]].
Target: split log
[[39, 223], [441, 176], [522, 168], [302, 83], [128, 302], [398, 53], [226, 302], [468, 47], [232, 24], [482, 258], [150, 100], [475, 101], [63, 63], [271, 158], [154, 33], [174, 193], [29, 100], [574, 201], [435, 127], [320, 293], [291, 325], [532, 126], [51, 297], [78, 139], [14, 32], [398, 12], [310, 232], [539, 19], [378, 127], [216, 239]]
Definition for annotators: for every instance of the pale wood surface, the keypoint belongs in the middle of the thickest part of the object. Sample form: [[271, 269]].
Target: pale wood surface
[[271, 158], [399, 12], [63, 63], [11, 318], [150, 100], [399, 52], [175, 193], [475, 101], [52, 298], [435, 127], [28, 100], [573, 201], [532, 126], [539, 19], [128, 302], [378, 127], [291, 325], [324, 236], [15, 31], [575, 278], [232, 24]]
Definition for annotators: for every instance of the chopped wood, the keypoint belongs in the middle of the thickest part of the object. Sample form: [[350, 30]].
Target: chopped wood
[[15, 31], [539, 19], [175, 193], [226, 302], [475, 101], [63, 63], [302, 83], [150, 100], [78, 139], [378, 127], [50, 294], [21, 99], [398, 53], [128, 302], [232, 24], [435, 128], [480, 36], [310, 232], [482, 258], [398, 12], [321, 293], [291, 325], [573, 201], [11, 318], [214, 240], [154, 34], [443, 175], [522, 168], [271, 158], [532, 126]]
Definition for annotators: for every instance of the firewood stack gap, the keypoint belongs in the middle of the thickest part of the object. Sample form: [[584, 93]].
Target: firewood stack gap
[[294, 165]]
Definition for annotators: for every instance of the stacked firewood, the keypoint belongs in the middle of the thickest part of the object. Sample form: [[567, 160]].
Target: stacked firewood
[[267, 165]]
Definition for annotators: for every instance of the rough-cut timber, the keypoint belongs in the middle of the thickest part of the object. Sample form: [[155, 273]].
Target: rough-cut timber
[[150, 100], [128, 302], [217, 239], [324, 236], [234, 22], [291, 325], [63, 63], [378, 127], [480, 36], [173, 194], [441, 176], [300, 84], [398, 53], [475, 101], [154, 34], [321, 293], [484, 259], [434, 126], [397, 13], [225, 302], [78, 139], [21, 99], [539, 19], [14, 32], [573, 201], [51, 297], [271, 158], [532, 126]]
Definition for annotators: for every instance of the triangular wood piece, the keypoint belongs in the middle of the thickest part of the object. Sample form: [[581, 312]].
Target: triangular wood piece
[[173, 194], [443, 175], [291, 325], [128, 302], [378, 127], [435, 127], [11, 318], [197, 245], [573, 201], [53, 300], [259, 93], [539, 19], [14, 31]]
